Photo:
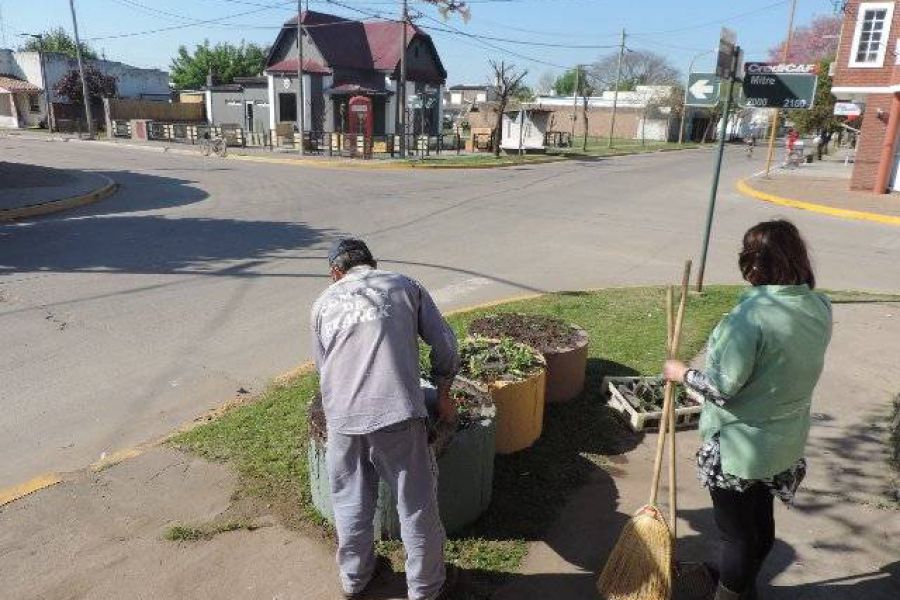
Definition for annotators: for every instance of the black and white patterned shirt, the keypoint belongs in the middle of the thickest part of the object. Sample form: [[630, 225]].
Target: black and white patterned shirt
[[709, 457]]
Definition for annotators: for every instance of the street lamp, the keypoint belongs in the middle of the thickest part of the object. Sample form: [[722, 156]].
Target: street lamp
[[40, 38], [684, 103]]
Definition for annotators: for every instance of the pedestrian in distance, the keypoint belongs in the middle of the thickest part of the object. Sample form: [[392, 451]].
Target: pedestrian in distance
[[365, 331], [763, 361]]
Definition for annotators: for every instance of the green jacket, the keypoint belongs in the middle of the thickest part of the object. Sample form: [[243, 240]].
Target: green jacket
[[766, 355]]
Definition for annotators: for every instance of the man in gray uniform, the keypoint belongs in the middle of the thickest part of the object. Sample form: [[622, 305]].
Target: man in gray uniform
[[365, 332]]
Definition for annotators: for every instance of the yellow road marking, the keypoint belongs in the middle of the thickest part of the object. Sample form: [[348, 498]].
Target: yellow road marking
[[843, 213], [21, 490]]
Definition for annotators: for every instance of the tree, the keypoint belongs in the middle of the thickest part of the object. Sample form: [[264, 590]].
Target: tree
[[586, 90], [565, 83], [820, 118], [99, 85], [58, 40], [508, 83], [524, 94], [639, 67], [225, 61], [812, 43], [546, 83]]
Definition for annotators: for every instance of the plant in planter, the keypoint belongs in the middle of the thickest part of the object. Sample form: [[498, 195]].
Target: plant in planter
[[464, 453], [513, 374], [563, 346], [639, 401]]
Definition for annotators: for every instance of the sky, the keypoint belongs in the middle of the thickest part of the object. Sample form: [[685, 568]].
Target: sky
[[538, 35]]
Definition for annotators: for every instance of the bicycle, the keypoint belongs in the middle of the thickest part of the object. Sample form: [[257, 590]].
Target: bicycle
[[214, 145]]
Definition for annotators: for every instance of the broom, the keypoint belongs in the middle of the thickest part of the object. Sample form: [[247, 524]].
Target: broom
[[640, 565]]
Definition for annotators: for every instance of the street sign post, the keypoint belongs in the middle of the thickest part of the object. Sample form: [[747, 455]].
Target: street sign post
[[725, 64], [703, 89], [780, 85], [731, 70]]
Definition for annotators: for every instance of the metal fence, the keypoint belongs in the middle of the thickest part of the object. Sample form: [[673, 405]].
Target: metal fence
[[321, 143]]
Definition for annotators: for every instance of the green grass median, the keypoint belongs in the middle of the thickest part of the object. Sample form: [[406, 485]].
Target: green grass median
[[265, 440]]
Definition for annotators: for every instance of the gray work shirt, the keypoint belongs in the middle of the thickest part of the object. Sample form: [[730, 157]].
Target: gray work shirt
[[365, 332]]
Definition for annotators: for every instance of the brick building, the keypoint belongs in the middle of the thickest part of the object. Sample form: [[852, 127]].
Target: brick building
[[867, 71]]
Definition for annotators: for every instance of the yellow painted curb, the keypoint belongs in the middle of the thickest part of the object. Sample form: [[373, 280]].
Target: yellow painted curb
[[843, 213], [55, 206], [16, 492]]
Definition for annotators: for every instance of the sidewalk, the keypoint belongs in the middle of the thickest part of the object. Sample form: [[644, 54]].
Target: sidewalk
[[824, 184], [101, 535], [30, 190]]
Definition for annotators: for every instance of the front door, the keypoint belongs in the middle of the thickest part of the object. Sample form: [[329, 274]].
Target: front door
[[248, 115]]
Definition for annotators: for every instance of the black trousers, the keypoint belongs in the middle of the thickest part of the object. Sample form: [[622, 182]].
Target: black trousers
[[746, 521]]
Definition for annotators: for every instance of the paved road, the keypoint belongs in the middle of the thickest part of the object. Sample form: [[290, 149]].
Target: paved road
[[126, 318]]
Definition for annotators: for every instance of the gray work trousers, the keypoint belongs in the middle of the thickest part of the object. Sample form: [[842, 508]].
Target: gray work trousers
[[399, 455]]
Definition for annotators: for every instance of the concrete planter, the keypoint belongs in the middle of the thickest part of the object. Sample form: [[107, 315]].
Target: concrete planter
[[520, 411], [566, 368], [566, 365], [465, 463]]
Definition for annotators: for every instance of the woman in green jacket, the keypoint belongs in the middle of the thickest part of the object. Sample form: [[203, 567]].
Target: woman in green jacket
[[763, 362]]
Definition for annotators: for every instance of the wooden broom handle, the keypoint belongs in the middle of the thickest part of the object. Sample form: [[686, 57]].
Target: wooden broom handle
[[660, 441], [672, 343], [670, 389]]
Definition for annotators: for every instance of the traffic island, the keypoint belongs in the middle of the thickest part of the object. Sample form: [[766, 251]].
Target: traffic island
[[267, 440], [30, 190]]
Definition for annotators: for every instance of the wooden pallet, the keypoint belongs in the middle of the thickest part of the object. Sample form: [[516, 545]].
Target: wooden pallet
[[638, 420]]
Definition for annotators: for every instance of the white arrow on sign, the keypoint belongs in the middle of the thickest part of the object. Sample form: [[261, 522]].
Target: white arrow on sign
[[701, 88]]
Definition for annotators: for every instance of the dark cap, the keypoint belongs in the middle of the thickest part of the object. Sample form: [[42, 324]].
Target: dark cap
[[354, 247]]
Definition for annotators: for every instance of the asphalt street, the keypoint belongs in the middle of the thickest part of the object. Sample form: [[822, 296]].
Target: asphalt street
[[192, 284]]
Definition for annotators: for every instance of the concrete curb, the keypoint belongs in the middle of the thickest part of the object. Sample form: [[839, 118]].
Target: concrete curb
[[54, 206], [341, 164], [843, 213]]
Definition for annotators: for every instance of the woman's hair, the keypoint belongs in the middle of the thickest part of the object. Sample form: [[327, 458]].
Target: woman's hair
[[775, 254]]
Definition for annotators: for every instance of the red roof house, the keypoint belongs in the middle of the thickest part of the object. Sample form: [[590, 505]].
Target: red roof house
[[344, 58]]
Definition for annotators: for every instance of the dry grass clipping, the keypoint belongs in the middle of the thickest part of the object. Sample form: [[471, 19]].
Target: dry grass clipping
[[640, 565]]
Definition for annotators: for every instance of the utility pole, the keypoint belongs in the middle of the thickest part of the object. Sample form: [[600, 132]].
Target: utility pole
[[84, 84], [777, 113], [612, 121], [723, 133], [575, 101], [301, 99], [401, 88]]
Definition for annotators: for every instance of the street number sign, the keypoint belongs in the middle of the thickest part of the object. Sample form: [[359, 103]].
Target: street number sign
[[780, 85], [703, 89], [727, 48]]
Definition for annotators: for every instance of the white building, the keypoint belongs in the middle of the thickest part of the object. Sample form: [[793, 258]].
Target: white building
[[26, 107]]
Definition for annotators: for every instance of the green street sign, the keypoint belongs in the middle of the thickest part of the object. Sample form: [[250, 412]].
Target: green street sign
[[780, 85], [702, 89]]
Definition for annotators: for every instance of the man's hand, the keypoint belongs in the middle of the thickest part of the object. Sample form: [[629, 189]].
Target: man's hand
[[446, 403], [674, 370]]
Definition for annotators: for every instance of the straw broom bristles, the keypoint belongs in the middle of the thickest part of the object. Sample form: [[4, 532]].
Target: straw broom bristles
[[640, 564]]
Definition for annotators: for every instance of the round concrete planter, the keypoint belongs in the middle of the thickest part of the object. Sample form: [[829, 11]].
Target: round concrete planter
[[520, 411], [566, 366], [566, 369], [465, 474]]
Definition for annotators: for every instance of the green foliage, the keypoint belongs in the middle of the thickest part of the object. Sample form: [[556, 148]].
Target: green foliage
[[524, 94], [98, 84], [489, 360], [58, 40], [821, 116], [225, 61], [565, 83]]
